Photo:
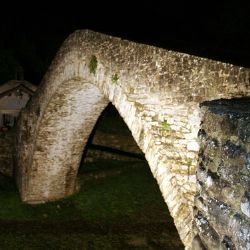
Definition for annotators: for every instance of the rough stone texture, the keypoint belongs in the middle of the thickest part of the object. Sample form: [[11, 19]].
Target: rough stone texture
[[121, 142], [154, 85], [7, 152], [222, 203], [95, 155]]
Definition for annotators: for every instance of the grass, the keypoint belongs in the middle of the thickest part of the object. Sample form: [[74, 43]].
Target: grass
[[64, 241], [105, 214], [118, 196], [121, 195]]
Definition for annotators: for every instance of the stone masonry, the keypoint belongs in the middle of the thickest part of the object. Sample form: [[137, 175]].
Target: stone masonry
[[156, 91], [113, 141], [222, 203]]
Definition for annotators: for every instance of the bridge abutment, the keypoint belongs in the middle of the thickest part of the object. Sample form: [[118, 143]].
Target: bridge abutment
[[222, 203]]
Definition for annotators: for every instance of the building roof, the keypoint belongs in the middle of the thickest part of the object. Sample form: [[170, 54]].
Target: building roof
[[11, 85]]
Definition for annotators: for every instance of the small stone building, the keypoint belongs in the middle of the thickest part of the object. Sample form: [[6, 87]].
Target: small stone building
[[14, 95]]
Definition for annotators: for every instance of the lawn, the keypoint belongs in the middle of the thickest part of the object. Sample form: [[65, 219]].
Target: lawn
[[121, 211]]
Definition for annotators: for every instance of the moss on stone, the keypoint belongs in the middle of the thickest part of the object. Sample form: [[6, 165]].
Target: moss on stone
[[115, 78], [93, 64]]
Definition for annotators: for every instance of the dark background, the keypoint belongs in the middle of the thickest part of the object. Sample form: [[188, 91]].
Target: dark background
[[31, 34]]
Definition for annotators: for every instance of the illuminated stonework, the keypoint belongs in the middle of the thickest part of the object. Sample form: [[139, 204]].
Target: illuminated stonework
[[154, 85]]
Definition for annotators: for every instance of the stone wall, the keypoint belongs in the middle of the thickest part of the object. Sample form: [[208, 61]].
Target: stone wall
[[7, 148], [222, 203], [157, 92], [123, 143]]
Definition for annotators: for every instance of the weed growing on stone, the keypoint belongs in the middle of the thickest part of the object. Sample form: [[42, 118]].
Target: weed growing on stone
[[115, 78], [93, 64], [189, 163], [165, 125]]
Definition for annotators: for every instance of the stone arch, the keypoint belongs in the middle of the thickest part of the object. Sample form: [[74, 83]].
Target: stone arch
[[61, 138], [157, 92]]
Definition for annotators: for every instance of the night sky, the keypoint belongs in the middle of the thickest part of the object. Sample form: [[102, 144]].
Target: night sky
[[31, 37]]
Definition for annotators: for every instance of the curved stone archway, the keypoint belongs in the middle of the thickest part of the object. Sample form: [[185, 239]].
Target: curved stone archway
[[157, 92], [70, 118]]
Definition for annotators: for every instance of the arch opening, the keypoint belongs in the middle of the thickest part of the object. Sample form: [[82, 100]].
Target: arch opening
[[128, 192]]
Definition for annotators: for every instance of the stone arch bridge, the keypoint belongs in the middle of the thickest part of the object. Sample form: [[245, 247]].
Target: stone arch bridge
[[157, 92]]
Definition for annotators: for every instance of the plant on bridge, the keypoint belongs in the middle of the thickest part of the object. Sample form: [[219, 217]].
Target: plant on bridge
[[189, 163], [115, 78], [165, 125], [93, 64]]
